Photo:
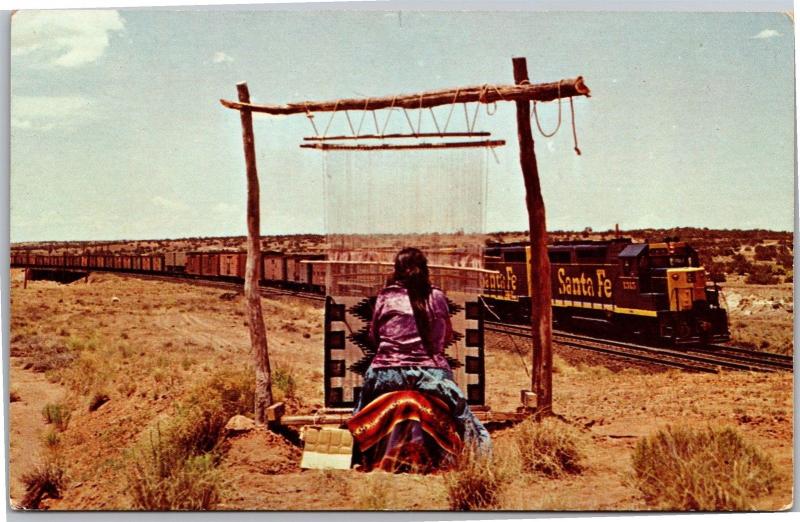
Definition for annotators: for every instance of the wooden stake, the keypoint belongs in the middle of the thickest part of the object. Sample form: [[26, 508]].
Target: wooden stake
[[258, 334], [27, 275], [541, 312]]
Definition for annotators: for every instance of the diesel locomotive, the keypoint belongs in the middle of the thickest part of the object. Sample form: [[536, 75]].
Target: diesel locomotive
[[651, 291]]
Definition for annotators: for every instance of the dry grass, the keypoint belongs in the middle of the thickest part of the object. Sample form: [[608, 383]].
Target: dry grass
[[478, 481], [550, 447], [377, 493], [175, 468], [711, 469], [162, 478], [44, 480], [58, 415]]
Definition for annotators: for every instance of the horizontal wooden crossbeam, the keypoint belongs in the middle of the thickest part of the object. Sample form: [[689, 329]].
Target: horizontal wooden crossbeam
[[388, 136], [481, 93], [407, 146]]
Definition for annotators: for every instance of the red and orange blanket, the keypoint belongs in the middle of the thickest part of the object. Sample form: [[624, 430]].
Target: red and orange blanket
[[405, 431]]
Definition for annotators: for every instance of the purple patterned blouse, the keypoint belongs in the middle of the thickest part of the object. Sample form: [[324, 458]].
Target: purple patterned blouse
[[399, 342]]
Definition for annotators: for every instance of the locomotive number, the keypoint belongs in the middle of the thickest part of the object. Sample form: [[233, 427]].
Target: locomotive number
[[583, 285], [629, 285]]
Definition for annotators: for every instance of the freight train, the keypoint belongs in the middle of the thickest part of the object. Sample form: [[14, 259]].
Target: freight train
[[651, 291], [294, 271]]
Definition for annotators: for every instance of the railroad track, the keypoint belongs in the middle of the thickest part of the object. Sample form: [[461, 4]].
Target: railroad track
[[266, 291], [708, 359]]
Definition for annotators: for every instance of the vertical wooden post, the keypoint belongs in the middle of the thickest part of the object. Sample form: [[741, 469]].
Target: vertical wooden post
[[541, 311], [27, 275], [258, 334]]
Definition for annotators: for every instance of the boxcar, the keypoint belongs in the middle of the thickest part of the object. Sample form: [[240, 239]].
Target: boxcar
[[175, 262], [157, 263], [274, 267], [203, 263], [232, 264], [298, 273]]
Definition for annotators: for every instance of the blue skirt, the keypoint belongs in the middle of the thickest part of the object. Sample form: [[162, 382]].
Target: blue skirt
[[435, 381]]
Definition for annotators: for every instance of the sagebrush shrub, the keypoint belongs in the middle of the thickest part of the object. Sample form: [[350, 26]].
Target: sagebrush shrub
[[709, 469]]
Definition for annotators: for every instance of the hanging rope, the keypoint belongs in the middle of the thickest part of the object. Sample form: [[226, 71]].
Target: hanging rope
[[350, 123], [496, 159], [452, 107], [363, 114], [310, 117], [408, 118], [336, 106], [488, 308], [482, 98], [536, 116], [574, 130], [435, 123], [419, 115], [385, 123], [375, 119]]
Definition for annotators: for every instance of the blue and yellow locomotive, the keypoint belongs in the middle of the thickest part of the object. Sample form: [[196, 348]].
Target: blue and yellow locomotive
[[653, 291]]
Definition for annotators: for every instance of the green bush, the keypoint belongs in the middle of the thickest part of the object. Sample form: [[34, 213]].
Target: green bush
[[57, 414], [761, 275], [711, 469]]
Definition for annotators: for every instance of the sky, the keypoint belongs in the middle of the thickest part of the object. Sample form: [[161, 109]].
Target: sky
[[117, 131]]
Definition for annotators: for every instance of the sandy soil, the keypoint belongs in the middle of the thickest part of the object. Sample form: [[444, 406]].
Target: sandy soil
[[761, 316], [158, 339]]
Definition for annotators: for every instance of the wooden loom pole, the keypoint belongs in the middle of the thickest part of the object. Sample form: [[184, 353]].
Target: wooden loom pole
[[541, 311], [258, 333], [423, 100]]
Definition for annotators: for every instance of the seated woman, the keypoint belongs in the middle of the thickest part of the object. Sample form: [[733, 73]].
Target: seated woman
[[411, 415]]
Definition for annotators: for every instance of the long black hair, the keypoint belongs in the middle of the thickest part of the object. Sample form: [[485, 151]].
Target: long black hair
[[411, 272]]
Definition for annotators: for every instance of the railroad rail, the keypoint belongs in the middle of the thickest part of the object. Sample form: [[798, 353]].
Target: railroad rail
[[177, 277], [708, 359], [266, 291]]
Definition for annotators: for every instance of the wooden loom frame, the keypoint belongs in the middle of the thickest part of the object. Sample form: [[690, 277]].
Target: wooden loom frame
[[521, 93]]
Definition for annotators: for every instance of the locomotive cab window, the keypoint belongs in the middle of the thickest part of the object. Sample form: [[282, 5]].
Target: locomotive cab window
[[590, 255], [515, 256], [559, 256], [626, 267]]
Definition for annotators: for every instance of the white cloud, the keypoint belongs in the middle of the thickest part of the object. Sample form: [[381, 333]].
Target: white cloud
[[48, 112], [766, 33], [169, 204], [63, 38], [220, 57]]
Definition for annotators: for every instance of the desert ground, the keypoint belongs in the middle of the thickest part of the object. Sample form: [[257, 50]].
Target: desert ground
[[100, 369]]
